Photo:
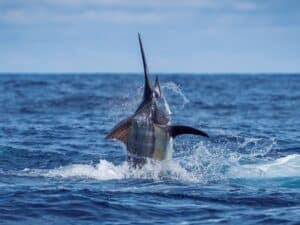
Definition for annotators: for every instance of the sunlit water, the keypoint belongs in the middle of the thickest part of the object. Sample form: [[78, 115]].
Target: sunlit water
[[56, 167]]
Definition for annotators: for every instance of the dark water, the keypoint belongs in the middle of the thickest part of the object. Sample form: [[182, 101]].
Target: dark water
[[56, 167]]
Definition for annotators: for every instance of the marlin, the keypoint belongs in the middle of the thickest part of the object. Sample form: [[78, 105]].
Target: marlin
[[148, 133]]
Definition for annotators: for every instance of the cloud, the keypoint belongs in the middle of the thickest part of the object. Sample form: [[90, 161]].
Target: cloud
[[25, 17], [188, 12], [92, 35], [245, 6], [110, 3], [19, 12]]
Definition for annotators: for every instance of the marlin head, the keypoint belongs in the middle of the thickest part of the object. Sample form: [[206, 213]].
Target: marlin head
[[162, 112], [157, 90]]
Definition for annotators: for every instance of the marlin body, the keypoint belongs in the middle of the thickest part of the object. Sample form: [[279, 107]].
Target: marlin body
[[148, 133]]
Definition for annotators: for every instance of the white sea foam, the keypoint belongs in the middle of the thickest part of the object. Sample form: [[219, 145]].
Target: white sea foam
[[288, 166], [203, 163], [105, 170], [193, 171], [218, 162]]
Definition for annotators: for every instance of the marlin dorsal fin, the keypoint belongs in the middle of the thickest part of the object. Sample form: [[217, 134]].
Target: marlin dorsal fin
[[147, 89]]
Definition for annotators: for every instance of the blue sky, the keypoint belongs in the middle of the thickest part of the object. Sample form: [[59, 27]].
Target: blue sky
[[192, 36]]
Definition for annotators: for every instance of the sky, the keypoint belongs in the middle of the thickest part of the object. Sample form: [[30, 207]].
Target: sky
[[179, 36]]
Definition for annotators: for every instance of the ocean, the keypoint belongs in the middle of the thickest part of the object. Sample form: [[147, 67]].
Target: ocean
[[57, 168]]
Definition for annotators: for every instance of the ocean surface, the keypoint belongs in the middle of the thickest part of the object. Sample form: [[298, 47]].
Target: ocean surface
[[57, 168]]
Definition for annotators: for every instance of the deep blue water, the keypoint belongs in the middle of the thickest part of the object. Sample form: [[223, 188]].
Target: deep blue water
[[56, 167]]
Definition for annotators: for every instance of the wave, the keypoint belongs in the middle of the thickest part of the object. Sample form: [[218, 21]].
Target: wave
[[192, 172], [106, 170], [288, 166], [222, 157]]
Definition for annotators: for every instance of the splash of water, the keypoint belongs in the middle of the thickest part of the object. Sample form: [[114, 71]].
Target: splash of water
[[204, 163], [105, 170], [177, 90], [288, 166], [213, 161]]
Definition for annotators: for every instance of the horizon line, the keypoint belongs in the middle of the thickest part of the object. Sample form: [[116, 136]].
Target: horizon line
[[153, 73]]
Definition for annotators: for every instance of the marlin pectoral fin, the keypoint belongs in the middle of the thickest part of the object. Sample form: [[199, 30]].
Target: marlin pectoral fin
[[120, 131], [179, 130]]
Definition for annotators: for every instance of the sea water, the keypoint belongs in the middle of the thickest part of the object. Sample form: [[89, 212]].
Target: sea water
[[57, 168]]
